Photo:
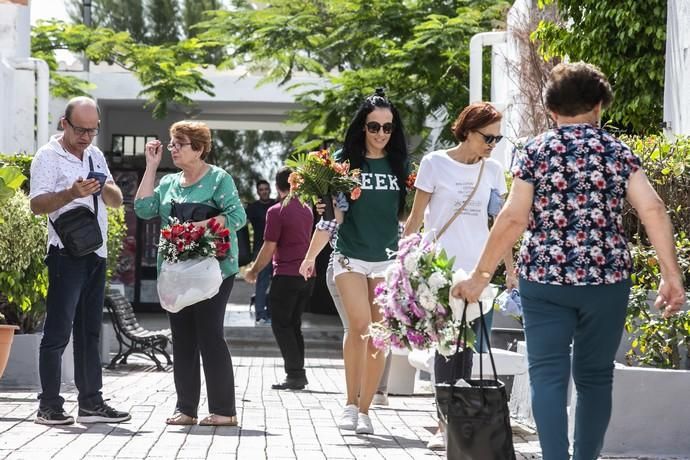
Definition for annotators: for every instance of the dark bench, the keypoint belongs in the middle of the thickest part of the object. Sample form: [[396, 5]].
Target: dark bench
[[131, 337]]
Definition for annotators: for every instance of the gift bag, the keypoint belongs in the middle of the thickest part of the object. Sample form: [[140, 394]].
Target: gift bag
[[181, 284], [475, 412]]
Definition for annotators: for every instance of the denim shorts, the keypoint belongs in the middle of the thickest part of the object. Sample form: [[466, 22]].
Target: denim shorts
[[345, 264]]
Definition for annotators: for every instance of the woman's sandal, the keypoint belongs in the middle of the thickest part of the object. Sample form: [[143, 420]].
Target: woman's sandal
[[219, 420], [179, 418]]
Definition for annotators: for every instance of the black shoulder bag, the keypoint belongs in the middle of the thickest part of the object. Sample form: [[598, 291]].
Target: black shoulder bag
[[78, 228], [476, 416]]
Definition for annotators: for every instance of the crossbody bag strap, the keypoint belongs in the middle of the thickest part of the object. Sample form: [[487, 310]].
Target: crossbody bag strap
[[95, 201], [464, 205]]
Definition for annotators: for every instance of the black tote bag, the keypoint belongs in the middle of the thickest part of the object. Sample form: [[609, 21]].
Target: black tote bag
[[476, 416]]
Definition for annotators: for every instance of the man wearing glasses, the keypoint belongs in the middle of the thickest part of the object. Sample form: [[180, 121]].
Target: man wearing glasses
[[66, 173]]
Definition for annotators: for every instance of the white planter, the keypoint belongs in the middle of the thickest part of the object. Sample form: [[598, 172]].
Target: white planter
[[650, 416], [22, 366]]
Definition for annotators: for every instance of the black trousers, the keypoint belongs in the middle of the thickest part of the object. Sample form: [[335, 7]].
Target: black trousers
[[198, 330], [288, 297]]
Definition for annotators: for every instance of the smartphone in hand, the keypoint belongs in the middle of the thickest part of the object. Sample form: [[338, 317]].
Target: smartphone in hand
[[100, 177]]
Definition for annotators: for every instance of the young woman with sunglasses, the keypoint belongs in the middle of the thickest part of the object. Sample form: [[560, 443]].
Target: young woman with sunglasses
[[374, 143], [444, 182]]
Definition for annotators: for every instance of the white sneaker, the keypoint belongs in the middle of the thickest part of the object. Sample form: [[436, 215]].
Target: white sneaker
[[437, 441], [380, 399], [364, 425], [348, 419]]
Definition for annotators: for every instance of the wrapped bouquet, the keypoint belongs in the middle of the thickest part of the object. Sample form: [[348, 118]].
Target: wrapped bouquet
[[190, 271], [316, 176], [414, 301]]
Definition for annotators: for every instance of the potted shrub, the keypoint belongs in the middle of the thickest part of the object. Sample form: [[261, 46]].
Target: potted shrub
[[23, 286], [11, 179]]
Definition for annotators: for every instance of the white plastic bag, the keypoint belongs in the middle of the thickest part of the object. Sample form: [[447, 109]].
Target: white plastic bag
[[185, 283]]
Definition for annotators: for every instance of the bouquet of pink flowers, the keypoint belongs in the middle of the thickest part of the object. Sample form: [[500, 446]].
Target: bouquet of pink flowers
[[415, 302]]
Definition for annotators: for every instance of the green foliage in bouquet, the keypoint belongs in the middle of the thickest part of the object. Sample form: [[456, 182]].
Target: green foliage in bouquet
[[317, 174]]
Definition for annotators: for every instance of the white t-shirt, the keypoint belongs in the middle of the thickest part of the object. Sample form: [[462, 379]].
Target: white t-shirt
[[53, 169], [450, 183]]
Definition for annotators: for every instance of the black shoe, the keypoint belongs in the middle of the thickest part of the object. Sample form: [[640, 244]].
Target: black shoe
[[48, 416], [102, 413], [290, 384]]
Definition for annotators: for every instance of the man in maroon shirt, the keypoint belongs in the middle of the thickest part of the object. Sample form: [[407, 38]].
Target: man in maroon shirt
[[286, 240]]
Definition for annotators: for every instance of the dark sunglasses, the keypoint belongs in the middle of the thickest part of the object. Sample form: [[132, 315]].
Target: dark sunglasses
[[374, 126], [490, 139]]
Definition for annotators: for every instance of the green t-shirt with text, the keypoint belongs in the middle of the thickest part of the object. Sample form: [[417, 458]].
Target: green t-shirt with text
[[370, 226]]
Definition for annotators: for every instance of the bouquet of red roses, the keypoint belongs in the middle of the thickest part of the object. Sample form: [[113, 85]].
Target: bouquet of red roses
[[190, 271], [184, 241]]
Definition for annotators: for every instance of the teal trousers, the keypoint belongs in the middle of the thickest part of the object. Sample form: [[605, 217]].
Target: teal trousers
[[587, 321]]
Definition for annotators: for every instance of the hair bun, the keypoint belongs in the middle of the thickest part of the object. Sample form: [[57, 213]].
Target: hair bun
[[380, 92]]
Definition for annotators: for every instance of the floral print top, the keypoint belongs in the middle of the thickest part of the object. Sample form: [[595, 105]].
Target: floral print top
[[575, 233]]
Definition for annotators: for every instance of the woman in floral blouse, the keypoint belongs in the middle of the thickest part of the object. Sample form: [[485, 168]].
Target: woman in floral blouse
[[574, 265]]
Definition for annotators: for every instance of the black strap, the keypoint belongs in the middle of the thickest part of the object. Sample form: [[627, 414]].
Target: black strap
[[95, 201], [483, 333]]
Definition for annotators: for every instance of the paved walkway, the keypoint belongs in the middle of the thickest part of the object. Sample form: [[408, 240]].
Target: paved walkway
[[274, 424]]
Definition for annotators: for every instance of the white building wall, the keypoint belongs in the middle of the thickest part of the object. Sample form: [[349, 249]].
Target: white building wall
[[677, 80], [18, 87]]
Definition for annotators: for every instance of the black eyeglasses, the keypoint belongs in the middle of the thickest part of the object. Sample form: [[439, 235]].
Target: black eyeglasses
[[490, 139], [177, 145], [79, 131], [374, 126]]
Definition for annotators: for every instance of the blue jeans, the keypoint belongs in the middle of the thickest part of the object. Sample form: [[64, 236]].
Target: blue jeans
[[263, 281], [590, 318], [76, 290]]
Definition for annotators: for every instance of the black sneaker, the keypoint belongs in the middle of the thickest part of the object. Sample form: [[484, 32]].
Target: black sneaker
[[291, 384], [102, 413], [48, 416]]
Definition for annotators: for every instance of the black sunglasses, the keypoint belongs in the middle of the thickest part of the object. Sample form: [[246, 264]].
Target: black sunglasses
[[490, 139], [374, 126]]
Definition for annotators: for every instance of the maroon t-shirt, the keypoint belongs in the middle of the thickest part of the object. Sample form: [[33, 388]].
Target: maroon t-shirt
[[290, 227]]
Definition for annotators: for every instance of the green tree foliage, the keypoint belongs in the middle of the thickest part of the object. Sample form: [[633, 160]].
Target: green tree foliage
[[238, 153], [168, 73], [193, 13], [417, 50], [120, 15], [163, 21], [626, 39]]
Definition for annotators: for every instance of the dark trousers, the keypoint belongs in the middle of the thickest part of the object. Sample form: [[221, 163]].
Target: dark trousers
[[578, 328], [287, 297], [198, 330], [76, 288]]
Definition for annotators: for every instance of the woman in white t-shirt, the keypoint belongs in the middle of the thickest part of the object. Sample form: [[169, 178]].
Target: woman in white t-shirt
[[444, 182]]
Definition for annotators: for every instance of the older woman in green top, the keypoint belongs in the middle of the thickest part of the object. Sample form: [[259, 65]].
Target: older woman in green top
[[197, 329]]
